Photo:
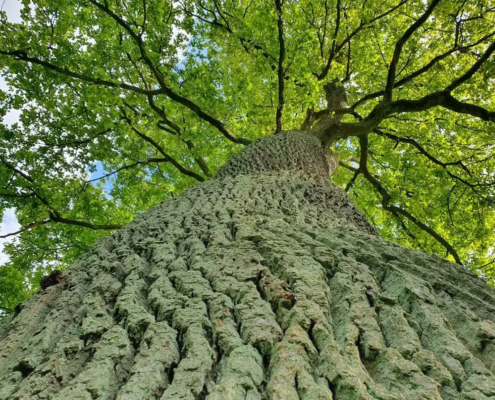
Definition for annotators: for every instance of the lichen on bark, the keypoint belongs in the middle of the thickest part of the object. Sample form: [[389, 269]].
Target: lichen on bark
[[264, 283]]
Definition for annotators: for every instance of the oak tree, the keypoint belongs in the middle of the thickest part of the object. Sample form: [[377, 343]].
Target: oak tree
[[262, 279]]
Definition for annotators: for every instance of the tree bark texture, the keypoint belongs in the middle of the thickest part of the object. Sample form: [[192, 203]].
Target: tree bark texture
[[265, 284]]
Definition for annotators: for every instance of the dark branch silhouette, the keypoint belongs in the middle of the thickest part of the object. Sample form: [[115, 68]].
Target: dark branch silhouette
[[22, 56], [165, 89], [161, 150], [123, 168], [398, 49], [176, 130], [26, 228], [54, 215], [423, 69], [387, 199], [280, 68], [349, 37]]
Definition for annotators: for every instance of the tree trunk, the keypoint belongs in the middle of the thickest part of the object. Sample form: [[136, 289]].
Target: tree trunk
[[264, 283]]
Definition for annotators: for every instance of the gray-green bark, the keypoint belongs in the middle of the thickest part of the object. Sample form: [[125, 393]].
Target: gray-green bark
[[263, 285]]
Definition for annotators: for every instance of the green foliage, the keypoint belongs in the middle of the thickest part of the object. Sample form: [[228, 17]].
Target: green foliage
[[96, 81]]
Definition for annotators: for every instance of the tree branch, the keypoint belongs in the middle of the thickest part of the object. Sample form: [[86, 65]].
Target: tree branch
[[352, 181], [160, 149], [386, 199], [336, 48], [178, 131], [22, 56], [244, 41], [361, 26], [442, 98], [281, 59], [159, 77], [30, 180], [17, 196], [26, 228], [55, 216], [383, 110], [421, 150], [77, 143], [474, 186], [476, 66], [67, 221], [487, 264], [422, 70], [149, 161], [398, 49]]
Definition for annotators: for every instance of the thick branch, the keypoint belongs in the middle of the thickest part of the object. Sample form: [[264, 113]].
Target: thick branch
[[443, 99], [384, 110], [164, 90], [398, 49], [471, 109], [476, 66], [67, 221]]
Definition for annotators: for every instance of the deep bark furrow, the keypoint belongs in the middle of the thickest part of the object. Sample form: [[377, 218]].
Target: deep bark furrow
[[477, 334], [259, 286]]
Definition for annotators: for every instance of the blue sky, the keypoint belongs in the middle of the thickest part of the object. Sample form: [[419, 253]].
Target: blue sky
[[100, 171]]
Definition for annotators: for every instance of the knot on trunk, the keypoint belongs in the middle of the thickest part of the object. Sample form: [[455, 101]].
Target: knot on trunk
[[54, 278], [336, 97], [322, 123]]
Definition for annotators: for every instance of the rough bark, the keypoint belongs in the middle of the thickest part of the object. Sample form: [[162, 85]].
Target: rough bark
[[264, 283]]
